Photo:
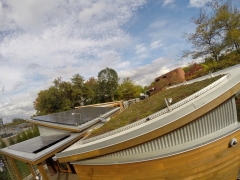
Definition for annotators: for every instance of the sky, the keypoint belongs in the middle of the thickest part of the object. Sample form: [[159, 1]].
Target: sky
[[42, 40]]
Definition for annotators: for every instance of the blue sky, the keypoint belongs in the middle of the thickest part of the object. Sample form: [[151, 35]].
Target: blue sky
[[41, 40]]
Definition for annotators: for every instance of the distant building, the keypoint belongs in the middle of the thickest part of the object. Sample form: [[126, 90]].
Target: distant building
[[173, 77]]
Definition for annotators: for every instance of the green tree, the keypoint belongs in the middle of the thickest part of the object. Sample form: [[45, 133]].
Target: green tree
[[29, 134], [62, 96], [205, 40], [51, 101], [216, 33], [2, 143], [91, 86], [128, 90], [227, 20], [11, 141], [65, 90], [35, 131], [48, 101], [24, 136], [108, 83], [18, 138], [78, 86], [18, 121]]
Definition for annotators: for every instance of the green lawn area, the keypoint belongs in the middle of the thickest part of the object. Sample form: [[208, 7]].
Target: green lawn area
[[151, 105]]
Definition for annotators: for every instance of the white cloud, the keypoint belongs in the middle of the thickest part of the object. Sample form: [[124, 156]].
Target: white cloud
[[167, 2], [10, 77], [140, 48], [198, 3], [158, 24], [146, 74], [42, 40], [156, 44], [141, 51]]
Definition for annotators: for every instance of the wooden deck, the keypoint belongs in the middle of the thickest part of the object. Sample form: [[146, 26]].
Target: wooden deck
[[63, 176]]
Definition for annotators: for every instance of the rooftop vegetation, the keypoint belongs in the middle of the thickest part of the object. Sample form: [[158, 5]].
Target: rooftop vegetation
[[151, 105]]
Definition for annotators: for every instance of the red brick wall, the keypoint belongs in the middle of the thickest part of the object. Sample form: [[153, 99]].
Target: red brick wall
[[173, 77]]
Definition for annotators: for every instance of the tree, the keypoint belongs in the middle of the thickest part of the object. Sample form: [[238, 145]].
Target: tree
[[24, 136], [11, 141], [2, 143], [206, 39], [35, 131], [78, 89], [48, 101], [29, 134], [18, 121], [91, 86], [227, 20], [216, 33], [192, 70], [128, 90], [65, 90], [108, 83], [19, 138], [56, 99], [62, 96]]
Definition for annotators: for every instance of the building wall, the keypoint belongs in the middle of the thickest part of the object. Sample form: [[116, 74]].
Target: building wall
[[214, 161], [173, 77], [46, 131]]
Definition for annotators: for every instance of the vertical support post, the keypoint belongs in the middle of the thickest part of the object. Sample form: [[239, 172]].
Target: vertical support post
[[167, 104], [32, 171], [15, 168], [121, 105], [42, 171]]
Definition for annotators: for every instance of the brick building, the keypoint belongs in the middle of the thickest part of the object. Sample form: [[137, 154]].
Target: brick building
[[173, 77]]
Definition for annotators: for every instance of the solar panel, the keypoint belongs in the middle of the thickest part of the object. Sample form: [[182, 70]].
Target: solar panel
[[39, 143], [76, 116]]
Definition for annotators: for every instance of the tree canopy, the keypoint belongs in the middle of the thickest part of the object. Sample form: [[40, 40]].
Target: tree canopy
[[128, 90], [65, 95], [108, 83], [215, 33]]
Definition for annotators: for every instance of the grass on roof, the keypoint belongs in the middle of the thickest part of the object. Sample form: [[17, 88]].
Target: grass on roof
[[151, 105]]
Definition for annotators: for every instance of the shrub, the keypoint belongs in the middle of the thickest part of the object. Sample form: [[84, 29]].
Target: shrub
[[24, 136], [11, 141], [29, 134], [19, 138], [2, 143]]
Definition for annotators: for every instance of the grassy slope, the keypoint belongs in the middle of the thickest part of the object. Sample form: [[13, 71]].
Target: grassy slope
[[151, 105]]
